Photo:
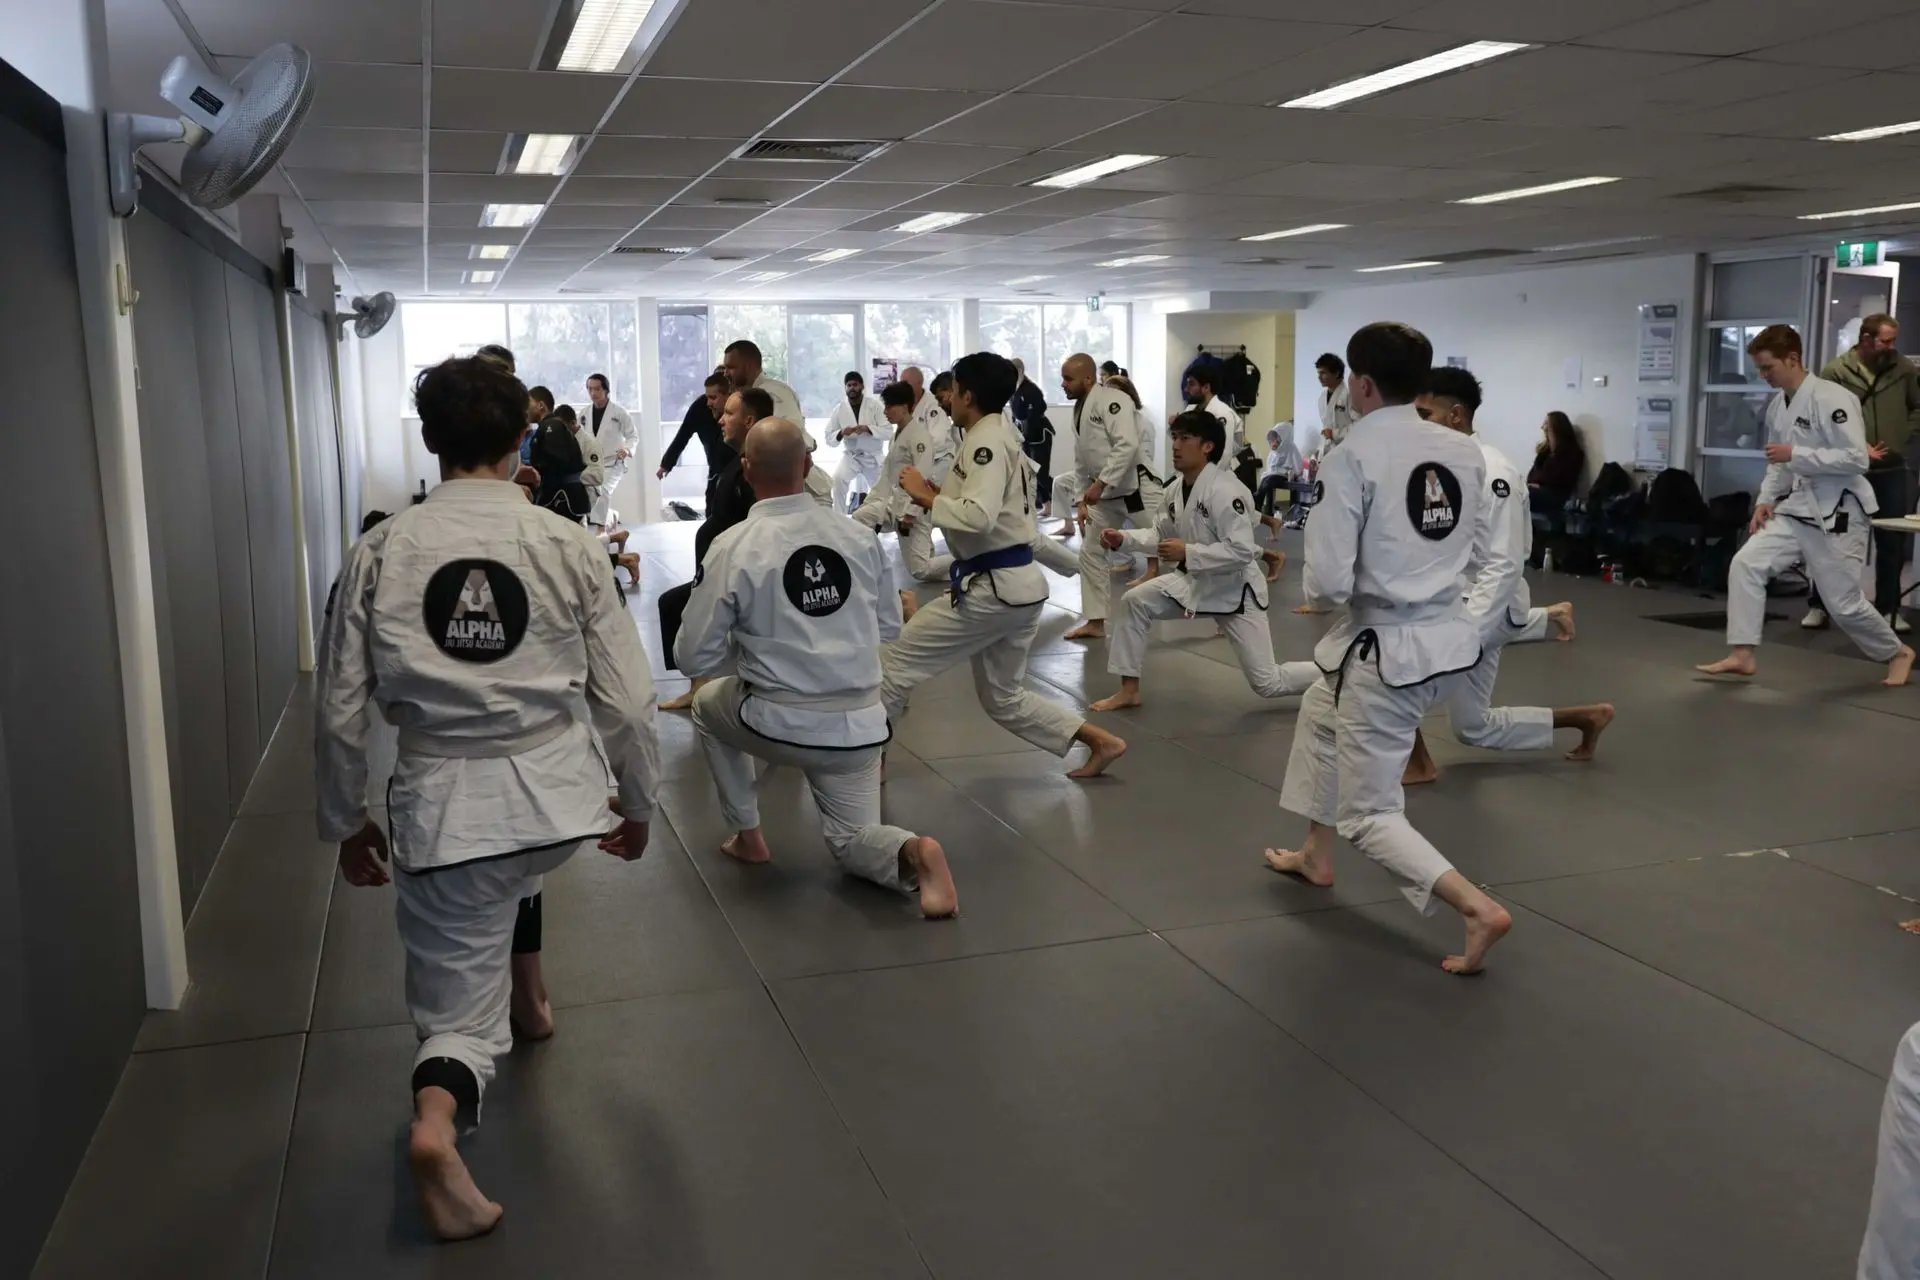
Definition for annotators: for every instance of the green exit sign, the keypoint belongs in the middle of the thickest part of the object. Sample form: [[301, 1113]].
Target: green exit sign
[[1093, 302], [1865, 253]]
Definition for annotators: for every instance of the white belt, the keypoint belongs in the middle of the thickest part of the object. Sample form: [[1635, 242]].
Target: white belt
[[857, 700], [420, 742]]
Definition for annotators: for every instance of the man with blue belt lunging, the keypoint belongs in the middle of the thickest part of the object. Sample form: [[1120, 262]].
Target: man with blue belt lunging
[[992, 609]]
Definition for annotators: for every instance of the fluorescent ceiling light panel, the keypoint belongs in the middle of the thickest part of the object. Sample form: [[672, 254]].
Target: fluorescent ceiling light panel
[[933, 222], [1856, 213], [1027, 280], [1868, 135], [1547, 189], [1086, 173], [1397, 266], [482, 277], [830, 255], [1406, 73], [511, 215], [602, 34], [1594, 244], [765, 277], [1135, 260], [545, 153], [493, 251], [1310, 229]]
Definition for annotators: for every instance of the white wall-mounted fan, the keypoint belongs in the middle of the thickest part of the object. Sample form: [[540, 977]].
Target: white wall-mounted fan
[[235, 133], [369, 315]]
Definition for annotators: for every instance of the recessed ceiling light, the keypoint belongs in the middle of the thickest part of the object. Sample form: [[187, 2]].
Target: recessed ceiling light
[[933, 222], [1594, 244], [1855, 213], [1027, 280], [494, 251], [510, 215], [602, 34], [545, 153], [1521, 193], [1438, 64], [1397, 266], [1868, 135], [764, 277], [1308, 230], [482, 277], [830, 255], [1086, 173], [1135, 260]]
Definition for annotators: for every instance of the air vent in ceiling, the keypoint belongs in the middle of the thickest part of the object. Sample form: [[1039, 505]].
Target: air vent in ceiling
[[649, 249], [808, 150], [1318, 266], [728, 257], [741, 202], [1736, 193], [1263, 262], [1477, 255]]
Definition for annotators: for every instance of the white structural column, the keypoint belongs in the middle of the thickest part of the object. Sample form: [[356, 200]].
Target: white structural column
[[640, 492], [969, 328], [62, 46]]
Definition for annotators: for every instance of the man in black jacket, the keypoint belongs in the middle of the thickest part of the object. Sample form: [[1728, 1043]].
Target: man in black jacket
[[702, 420], [1028, 413], [728, 498]]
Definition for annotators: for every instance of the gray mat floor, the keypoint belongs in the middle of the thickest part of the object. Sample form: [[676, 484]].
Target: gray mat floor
[[1137, 1053]]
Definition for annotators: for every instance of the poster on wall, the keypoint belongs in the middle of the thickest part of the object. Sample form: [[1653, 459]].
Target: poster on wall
[[1456, 362], [885, 374], [1653, 433], [1659, 340]]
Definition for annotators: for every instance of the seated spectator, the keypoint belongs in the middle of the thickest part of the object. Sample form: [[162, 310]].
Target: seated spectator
[[558, 460], [1284, 463], [1559, 463]]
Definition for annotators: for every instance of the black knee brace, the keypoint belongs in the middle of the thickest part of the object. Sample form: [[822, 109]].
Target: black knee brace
[[457, 1079], [526, 927]]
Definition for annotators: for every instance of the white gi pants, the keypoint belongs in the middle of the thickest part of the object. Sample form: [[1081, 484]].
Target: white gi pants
[[1345, 769], [916, 551], [861, 467], [1891, 1250], [1478, 723], [845, 785], [996, 638], [1535, 630], [1096, 572], [603, 512], [1834, 563], [1246, 631], [1066, 495], [1047, 552], [456, 925]]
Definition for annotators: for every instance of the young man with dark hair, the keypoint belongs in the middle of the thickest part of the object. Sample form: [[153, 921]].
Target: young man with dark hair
[[1391, 538], [1497, 600], [923, 444], [702, 422], [996, 593], [1201, 390], [859, 427], [615, 437], [1336, 410], [476, 623], [498, 356], [1205, 531], [1816, 485]]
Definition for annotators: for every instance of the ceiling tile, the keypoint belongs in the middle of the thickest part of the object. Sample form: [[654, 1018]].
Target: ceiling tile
[[624, 191], [1721, 28], [362, 95], [698, 218], [366, 150], [754, 40], [472, 188], [1184, 53], [335, 184], [1359, 54], [366, 213], [332, 30], [932, 162], [774, 191], [1509, 86], [625, 157], [987, 45], [1029, 120], [1715, 82], [664, 106], [1539, 21], [489, 33], [856, 111], [1358, 13], [611, 217], [520, 101], [460, 151], [849, 194]]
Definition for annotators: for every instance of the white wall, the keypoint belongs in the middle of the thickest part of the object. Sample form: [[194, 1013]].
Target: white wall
[[396, 461], [1268, 338], [1518, 331]]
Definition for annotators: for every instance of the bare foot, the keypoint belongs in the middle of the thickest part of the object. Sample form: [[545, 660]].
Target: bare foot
[[1276, 564], [1092, 629], [682, 703], [1308, 608], [1560, 619], [938, 898], [1483, 930], [1731, 665], [1117, 702], [1900, 668], [1301, 862], [1911, 926], [1103, 749], [1592, 722], [748, 846], [454, 1206], [1420, 772], [909, 605]]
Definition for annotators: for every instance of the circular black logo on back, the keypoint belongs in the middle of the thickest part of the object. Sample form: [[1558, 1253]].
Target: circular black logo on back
[[1501, 488], [1433, 501], [817, 580], [475, 610], [1839, 417]]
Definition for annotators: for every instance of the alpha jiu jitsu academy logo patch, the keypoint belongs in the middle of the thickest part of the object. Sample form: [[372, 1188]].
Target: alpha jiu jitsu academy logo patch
[[475, 610], [1433, 501], [1501, 489], [817, 580]]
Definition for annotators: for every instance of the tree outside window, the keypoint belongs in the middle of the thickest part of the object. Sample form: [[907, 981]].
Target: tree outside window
[[764, 326], [914, 333], [1013, 330]]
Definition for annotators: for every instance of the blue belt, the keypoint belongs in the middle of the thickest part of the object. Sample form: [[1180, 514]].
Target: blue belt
[[986, 562]]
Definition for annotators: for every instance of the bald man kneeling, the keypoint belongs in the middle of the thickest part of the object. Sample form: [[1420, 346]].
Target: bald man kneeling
[[798, 598]]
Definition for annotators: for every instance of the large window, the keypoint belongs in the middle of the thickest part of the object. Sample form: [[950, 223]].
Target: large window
[[1068, 329], [914, 333], [764, 326], [555, 344], [686, 358], [1746, 297], [1013, 330], [434, 331], [824, 348]]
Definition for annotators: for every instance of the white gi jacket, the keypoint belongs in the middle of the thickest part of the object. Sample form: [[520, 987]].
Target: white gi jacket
[[988, 506], [1148, 459], [1236, 432], [1824, 424], [1215, 519], [927, 447], [1391, 538], [1497, 594], [869, 416], [616, 432], [1107, 443], [801, 600], [478, 623], [1336, 415], [593, 473], [786, 403]]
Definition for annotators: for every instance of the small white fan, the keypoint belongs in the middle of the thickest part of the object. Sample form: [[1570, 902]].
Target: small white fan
[[369, 315], [235, 133]]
